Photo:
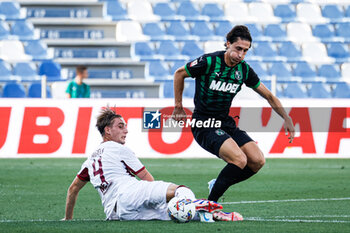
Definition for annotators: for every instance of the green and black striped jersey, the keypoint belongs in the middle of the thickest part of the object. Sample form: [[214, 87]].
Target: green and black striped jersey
[[217, 84]]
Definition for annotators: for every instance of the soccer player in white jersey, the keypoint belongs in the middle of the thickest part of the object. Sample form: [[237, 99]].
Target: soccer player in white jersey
[[112, 168]]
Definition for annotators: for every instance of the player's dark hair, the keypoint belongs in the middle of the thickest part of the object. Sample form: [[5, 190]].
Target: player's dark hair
[[80, 69], [106, 118], [239, 31]]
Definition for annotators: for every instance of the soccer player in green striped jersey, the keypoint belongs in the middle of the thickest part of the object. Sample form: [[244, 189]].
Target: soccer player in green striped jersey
[[219, 77]]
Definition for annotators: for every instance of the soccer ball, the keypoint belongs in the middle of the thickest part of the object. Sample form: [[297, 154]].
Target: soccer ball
[[181, 210]]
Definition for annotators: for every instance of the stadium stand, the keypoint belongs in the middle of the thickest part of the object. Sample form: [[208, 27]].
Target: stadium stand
[[14, 90], [34, 91], [145, 41]]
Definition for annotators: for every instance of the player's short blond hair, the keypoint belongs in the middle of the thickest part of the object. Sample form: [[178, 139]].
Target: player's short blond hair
[[106, 118]]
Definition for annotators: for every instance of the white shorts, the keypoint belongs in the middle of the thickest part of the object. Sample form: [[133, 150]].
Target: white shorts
[[143, 200]]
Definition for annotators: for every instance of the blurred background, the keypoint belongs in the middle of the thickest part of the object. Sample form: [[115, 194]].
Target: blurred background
[[132, 47]]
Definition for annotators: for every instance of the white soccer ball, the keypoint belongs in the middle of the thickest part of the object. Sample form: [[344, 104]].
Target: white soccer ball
[[181, 210]]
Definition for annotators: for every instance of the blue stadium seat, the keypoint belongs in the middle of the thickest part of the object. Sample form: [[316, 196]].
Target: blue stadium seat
[[304, 70], [343, 30], [192, 49], [289, 50], [179, 30], [342, 90], [258, 68], [214, 11], [14, 90], [323, 31], [25, 70], [333, 12], [188, 10], [158, 70], [51, 69], [275, 31], [190, 88], [4, 30], [144, 50], [168, 89], [5, 71], [222, 28], [165, 11], [295, 90], [264, 49], [23, 29], [285, 11], [10, 9], [203, 31], [347, 11], [280, 70], [116, 10], [177, 64], [329, 71], [34, 91], [338, 50], [155, 30], [255, 30], [319, 90], [36, 48], [168, 49]]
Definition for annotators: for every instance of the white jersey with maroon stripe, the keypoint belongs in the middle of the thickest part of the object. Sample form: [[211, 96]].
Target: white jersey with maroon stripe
[[111, 169]]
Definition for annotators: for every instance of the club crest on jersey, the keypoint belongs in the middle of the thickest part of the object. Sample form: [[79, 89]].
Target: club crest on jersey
[[238, 75], [219, 132]]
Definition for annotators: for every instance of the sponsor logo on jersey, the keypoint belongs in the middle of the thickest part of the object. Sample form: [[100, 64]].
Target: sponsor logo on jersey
[[195, 62], [151, 119], [223, 86], [238, 75]]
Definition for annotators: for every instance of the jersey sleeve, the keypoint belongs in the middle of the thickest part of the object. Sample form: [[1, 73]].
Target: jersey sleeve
[[253, 80], [69, 88], [197, 67], [83, 174], [87, 92], [131, 162]]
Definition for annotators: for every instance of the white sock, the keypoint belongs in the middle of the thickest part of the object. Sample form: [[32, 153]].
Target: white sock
[[185, 193]]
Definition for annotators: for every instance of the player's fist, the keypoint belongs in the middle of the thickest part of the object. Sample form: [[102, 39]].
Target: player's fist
[[179, 114]]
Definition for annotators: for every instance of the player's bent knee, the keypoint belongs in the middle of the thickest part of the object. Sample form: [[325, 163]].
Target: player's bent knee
[[231, 153], [257, 163]]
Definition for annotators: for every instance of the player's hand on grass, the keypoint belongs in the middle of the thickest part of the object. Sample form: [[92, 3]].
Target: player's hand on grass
[[179, 114], [289, 129]]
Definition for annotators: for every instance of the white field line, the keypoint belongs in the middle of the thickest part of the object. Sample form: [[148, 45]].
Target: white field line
[[288, 200], [314, 216], [295, 220]]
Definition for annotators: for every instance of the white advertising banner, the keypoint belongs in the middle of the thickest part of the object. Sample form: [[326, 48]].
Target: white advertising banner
[[66, 128]]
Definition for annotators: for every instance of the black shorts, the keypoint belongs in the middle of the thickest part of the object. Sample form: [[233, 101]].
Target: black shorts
[[211, 139]]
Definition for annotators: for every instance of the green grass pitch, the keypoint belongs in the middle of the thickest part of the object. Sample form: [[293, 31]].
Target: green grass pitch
[[288, 195]]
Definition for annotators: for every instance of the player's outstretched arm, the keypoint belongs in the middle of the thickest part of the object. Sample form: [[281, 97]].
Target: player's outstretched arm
[[145, 175], [179, 83], [277, 106], [72, 196]]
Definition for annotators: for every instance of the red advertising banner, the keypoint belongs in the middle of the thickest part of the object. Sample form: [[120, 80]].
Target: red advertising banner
[[66, 128]]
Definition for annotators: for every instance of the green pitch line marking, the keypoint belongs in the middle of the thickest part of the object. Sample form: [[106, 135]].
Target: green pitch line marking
[[288, 200]]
